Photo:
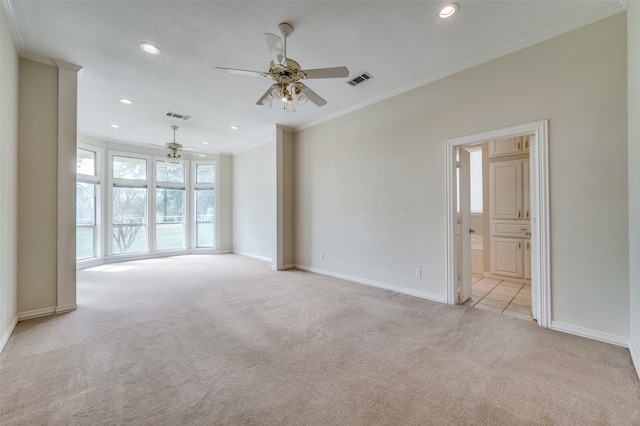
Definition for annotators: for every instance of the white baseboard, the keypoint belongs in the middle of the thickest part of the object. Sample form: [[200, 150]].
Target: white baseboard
[[7, 333], [590, 334], [634, 350], [255, 256], [66, 308], [36, 313], [378, 284]]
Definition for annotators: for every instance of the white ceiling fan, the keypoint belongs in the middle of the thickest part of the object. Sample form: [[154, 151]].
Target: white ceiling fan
[[175, 149], [288, 75]]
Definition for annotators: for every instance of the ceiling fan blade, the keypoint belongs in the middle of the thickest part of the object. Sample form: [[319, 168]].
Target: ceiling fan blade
[[243, 72], [264, 97], [199, 155], [335, 72], [275, 47], [159, 146], [313, 96]]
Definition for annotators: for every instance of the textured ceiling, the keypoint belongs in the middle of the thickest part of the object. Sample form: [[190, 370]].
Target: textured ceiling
[[401, 43]]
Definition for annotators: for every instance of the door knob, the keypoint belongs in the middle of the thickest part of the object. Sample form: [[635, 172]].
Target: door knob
[[528, 234], [472, 231]]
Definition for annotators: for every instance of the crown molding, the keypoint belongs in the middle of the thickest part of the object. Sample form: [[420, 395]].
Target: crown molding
[[7, 7], [613, 9]]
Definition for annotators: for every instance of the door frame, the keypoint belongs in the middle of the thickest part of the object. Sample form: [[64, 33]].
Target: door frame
[[539, 195]]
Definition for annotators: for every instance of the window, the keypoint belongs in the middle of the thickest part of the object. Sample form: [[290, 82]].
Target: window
[[170, 205], [129, 199], [205, 205], [151, 204], [87, 204], [475, 179], [475, 158]]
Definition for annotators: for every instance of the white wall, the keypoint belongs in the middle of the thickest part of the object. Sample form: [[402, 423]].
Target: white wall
[[253, 195], [370, 186], [633, 75], [8, 182]]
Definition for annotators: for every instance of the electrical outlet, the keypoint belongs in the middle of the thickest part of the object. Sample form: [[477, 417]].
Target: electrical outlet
[[418, 272], [321, 256]]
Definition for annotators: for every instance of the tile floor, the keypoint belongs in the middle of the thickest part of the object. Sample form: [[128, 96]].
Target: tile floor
[[508, 297]]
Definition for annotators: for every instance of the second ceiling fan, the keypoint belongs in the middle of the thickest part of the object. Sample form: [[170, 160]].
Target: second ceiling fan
[[287, 74]]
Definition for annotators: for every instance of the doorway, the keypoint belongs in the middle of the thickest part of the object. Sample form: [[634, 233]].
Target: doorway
[[458, 231]]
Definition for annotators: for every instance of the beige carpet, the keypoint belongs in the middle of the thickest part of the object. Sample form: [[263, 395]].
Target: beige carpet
[[223, 340]]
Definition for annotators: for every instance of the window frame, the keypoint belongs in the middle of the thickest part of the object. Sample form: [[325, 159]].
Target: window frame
[[126, 183], [186, 214], [196, 186], [96, 180]]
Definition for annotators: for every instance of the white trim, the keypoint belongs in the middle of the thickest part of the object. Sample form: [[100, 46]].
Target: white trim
[[7, 333], [62, 309], [36, 313], [540, 255], [635, 356], [372, 283], [13, 26], [590, 334], [254, 256]]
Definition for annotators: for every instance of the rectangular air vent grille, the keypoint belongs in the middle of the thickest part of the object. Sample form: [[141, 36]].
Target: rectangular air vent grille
[[179, 116], [359, 79]]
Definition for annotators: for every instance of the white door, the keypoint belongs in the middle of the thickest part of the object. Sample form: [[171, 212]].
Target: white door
[[464, 251]]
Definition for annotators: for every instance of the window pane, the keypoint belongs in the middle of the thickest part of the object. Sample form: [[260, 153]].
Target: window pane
[[204, 173], [169, 172], [169, 218], [475, 158], [205, 204], [129, 220], [85, 220], [129, 168], [86, 162], [85, 237]]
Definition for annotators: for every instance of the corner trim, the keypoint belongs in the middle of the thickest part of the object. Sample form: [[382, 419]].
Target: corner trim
[[372, 283], [66, 308], [7, 333], [635, 356], [591, 334]]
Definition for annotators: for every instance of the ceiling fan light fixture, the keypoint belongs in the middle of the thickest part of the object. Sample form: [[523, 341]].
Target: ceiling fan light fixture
[[448, 10], [288, 107], [277, 91], [302, 98]]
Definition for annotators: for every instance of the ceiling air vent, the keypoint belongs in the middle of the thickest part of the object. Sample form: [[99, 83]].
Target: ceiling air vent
[[179, 116], [359, 79]]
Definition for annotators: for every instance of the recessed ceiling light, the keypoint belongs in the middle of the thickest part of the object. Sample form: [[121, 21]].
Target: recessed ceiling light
[[448, 10], [205, 143], [126, 101], [115, 126], [234, 127], [149, 48]]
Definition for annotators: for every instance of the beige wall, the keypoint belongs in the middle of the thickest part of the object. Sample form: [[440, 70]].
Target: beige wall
[[633, 74], [370, 186], [46, 182], [8, 182], [253, 195], [38, 177], [224, 187]]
